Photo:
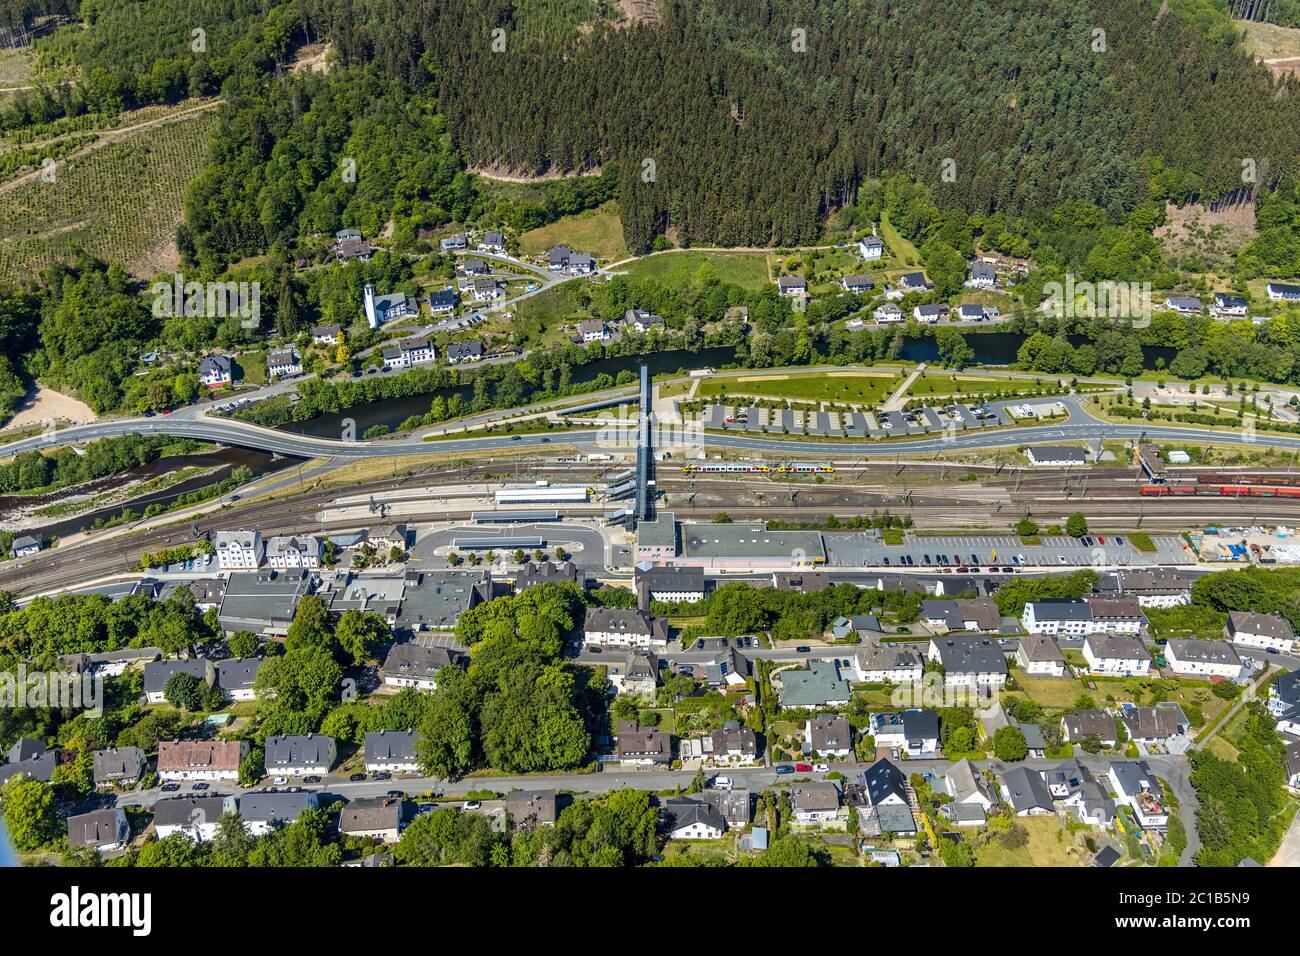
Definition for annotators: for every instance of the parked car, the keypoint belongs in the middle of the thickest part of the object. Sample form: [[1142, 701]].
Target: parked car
[[821, 768], [721, 783], [784, 768], [280, 781], [803, 767], [381, 775], [357, 777], [170, 787], [802, 649], [312, 779], [473, 804], [200, 786]]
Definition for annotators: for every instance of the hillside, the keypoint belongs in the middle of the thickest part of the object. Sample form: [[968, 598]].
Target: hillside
[[120, 198]]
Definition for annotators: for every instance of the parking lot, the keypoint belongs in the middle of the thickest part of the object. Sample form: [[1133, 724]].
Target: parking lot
[[867, 550], [926, 420]]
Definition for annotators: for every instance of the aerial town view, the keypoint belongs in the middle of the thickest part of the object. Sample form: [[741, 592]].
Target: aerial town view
[[693, 434]]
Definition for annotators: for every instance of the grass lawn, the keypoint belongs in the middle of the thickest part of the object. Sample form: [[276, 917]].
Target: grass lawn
[[680, 268], [676, 389], [1142, 541], [598, 232], [892, 535], [1049, 845], [701, 849], [900, 247], [538, 318], [932, 384], [864, 388], [1054, 693]]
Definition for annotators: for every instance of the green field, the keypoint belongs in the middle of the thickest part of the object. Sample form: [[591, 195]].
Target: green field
[[681, 268], [862, 388], [904, 251], [598, 232], [1049, 845], [932, 384]]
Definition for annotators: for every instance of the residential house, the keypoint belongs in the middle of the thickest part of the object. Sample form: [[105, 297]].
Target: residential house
[[294, 551], [910, 732], [736, 805], [564, 259], [793, 287], [978, 614], [392, 751], [820, 685], [1137, 788], [1230, 306], [642, 321], [300, 755], [29, 758], [281, 363], [930, 313], [485, 290], [1284, 703], [981, 276], [1266, 631], [1028, 795], [642, 746], [636, 675], [265, 810], [876, 663], [100, 830], [1198, 657], [1293, 766], [815, 803], [443, 301], [413, 665], [1184, 304], [494, 242], [458, 352], [888, 312], [118, 766], [619, 627], [1040, 655], [1153, 587], [672, 585], [688, 818], [1283, 292], [857, 283], [474, 267], [971, 796], [532, 574], [195, 817], [829, 735], [238, 550], [454, 243], [375, 818], [237, 677], [216, 371], [1056, 456], [1083, 724], [200, 759], [976, 662], [533, 808], [1116, 654], [409, 353], [157, 673], [871, 248], [1154, 725], [1082, 617], [350, 245], [593, 330], [971, 312], [731, 745], [912, 282], [886, 792], [326, 334]]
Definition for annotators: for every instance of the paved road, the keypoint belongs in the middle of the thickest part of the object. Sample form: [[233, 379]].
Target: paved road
[[242, 434]]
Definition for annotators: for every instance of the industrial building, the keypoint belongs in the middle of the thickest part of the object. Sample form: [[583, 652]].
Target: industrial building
[[750, 546]]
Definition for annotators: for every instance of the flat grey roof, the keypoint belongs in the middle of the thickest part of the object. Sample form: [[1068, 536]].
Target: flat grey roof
[[750, 541]]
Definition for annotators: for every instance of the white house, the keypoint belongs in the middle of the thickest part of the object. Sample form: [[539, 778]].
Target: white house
[[815, 803], [1266, 631], [1282, 292], [1197, 657], [1230, 306], [1040, 655], [1136, 787], [25, 545], [889, 312], [413, 665], [981, 276], [1027, 793], [1293, 766], [215, 371], [200, 759], [672, 585], [282, 363], [265, 810], [794, 287], [100, 830], [1079, 618], [871, 248], [911, 732], [829, 735], [392, 751], [617, 627], [966, 786], [886, 664], [975, 662], [856, 283], [300, 755], [492, 242], [238, 550], [296, 551], [1116, 654], [593, 330], [409, 353], [195, 817], [691, 819], [380, 309]]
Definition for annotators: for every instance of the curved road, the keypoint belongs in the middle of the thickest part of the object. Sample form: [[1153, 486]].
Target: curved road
[[242, 434]]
